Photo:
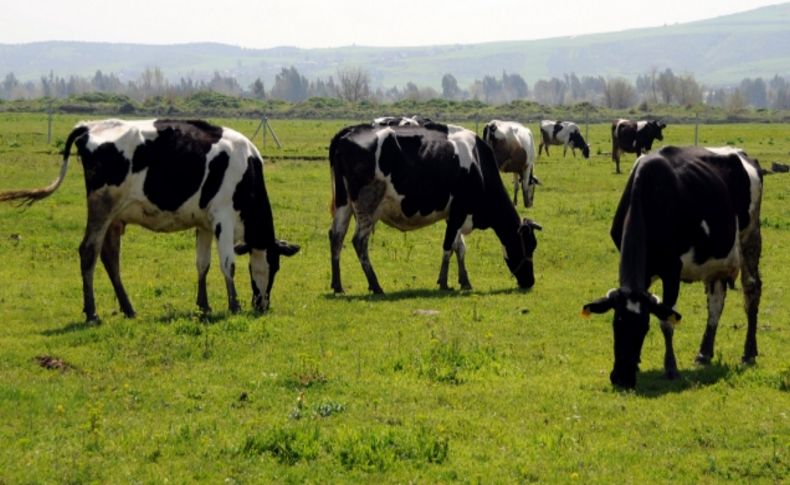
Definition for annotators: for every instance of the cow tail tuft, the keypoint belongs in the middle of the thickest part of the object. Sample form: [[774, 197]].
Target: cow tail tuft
[[30, 196]]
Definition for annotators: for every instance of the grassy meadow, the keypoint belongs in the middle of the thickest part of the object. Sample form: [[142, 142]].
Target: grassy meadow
[[417, 385]]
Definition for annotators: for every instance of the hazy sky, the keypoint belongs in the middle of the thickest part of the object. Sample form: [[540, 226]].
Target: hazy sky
[[332, 23]]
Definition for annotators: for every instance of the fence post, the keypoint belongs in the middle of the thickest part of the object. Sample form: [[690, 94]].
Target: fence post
[[587, 124], [49, 123], [696, 129]]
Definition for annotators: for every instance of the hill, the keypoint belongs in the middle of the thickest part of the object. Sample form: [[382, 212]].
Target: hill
[[717, 51]]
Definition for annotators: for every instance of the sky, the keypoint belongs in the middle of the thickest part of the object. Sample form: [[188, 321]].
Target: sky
[[336, 23]]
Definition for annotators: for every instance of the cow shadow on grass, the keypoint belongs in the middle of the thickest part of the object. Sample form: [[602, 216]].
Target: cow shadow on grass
[[653, 383], [415, 293], [71, 327], [166, 317]]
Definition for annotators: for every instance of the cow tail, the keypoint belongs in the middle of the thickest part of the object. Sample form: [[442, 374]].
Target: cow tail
[[29, 196], [339, 196]]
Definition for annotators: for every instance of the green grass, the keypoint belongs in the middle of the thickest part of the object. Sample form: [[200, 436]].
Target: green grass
[[493, 385]]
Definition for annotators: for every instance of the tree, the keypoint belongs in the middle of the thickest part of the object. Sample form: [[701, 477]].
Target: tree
[[258, 89], [666, 84], [450, 89], [619, 94], [353, 83], [290, 85]]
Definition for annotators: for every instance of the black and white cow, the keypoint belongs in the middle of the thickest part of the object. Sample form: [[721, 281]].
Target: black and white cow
[[563, 133], [514, 150], [413, 176], [687, 214], [168, 175], [634, 137], [400, 121]]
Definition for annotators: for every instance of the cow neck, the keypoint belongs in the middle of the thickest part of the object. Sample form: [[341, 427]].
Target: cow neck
[[633, 247]]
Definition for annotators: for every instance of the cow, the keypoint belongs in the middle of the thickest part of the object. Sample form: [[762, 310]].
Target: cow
[[400, 121], [171, 175], [514, 150], [562, 133], [687, 214], [634, 137], [413, 176]]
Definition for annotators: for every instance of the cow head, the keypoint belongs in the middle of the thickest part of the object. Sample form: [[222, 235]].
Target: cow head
[[519, 257], [577, 141], [264, 264], [631, 321], [656, 129]]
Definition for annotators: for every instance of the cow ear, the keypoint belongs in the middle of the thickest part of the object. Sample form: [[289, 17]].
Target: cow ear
[[534, 180], [601, 305], [663, 312], [530, 223], [242, 248], [287, 249]]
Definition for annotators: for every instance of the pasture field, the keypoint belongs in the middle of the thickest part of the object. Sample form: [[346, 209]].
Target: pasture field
[[493, 385]]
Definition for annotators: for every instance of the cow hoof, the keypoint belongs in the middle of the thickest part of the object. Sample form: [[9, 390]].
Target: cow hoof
[[377, 290], [93, 319], [444, 287], [466, 287], [129, 314], [672, 374], [749, 360], [702, 359], [338, 290]]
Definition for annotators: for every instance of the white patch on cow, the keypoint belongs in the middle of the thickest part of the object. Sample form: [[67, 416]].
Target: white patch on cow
[[755, 184], [467, 226], [716, 296], [260, 273], [633, 306], [705, 227], [712, 269]]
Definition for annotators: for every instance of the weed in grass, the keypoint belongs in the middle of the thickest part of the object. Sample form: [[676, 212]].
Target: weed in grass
[[287, 445], [372, 450]]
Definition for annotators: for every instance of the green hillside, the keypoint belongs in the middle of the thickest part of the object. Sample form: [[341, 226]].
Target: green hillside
[[721, 50]]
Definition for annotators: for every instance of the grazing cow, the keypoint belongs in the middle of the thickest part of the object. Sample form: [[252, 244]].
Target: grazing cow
[[687, 214], [634, 137], [168, 175], [514, 150], [413, 176], [562, 133]]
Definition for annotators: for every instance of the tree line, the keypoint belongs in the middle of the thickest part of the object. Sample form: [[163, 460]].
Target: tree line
[[354, 84]]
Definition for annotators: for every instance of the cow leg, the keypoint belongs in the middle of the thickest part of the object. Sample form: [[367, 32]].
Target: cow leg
[[99, 208], [459, 246], [227, 263], [564, 150], [360, 240], [111, 259], [454, 242], [751, 248], [671, 291], [515, 189], [716, 291], [337, 233], [203, 261], [540, 148]]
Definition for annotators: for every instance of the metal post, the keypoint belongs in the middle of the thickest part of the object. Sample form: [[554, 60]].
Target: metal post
[[696, 130], [49, 123], [587, 125], [264, 122]]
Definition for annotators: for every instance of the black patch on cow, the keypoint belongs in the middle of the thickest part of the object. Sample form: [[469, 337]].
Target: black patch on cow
[[217, 230], [216, 173], [557, 129], [423, 167], [251, 201], [105, 165], [176, 161]]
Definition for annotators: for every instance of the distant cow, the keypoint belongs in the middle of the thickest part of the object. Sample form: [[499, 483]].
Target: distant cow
[[562, 133], [634, 137], [169, 175], [687, 214], [413, 176], [514, 150], [400, 121]]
